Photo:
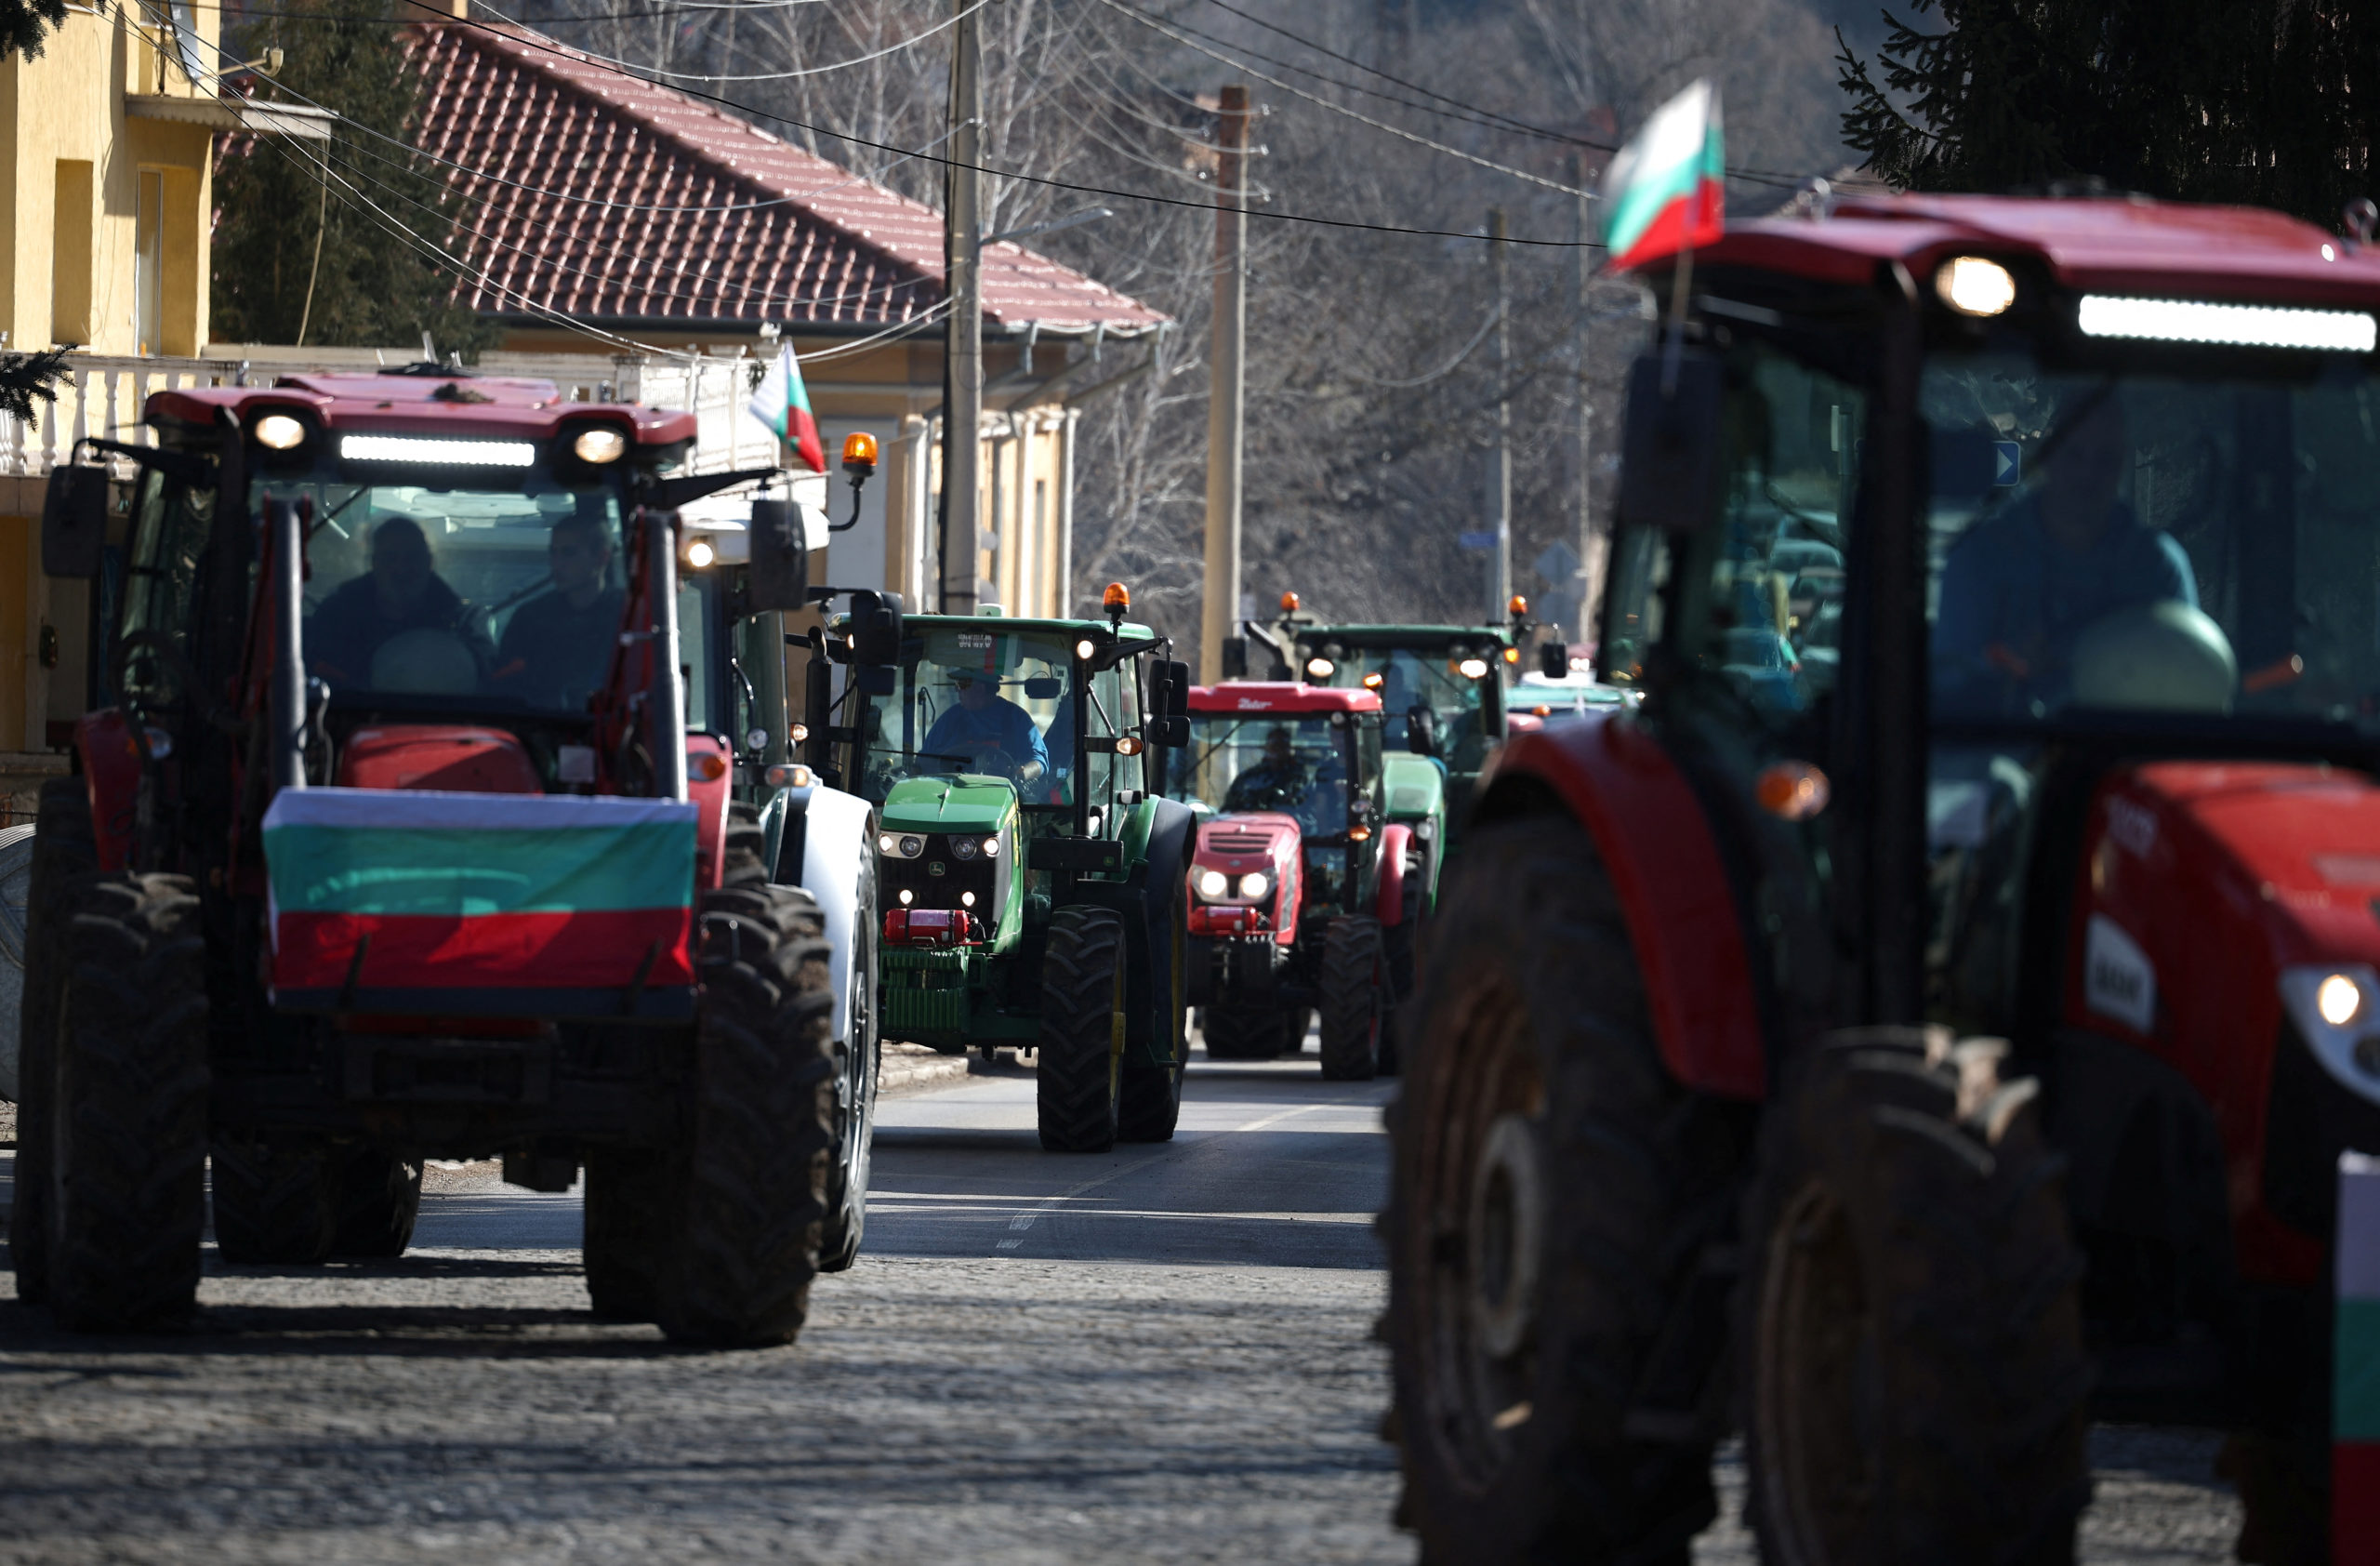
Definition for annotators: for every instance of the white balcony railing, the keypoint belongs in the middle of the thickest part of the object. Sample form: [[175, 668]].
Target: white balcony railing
[[103, 395]]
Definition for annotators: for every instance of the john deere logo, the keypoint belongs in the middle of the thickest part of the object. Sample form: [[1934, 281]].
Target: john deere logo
[[933, 866]]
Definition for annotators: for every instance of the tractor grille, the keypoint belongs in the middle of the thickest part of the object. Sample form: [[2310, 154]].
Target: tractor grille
[[1238, 842], [922, 992]]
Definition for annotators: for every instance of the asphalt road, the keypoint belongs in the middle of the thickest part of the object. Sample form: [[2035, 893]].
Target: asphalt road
[[1157, 1355]]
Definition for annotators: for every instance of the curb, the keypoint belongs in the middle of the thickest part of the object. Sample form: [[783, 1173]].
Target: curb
[[907, 1069]]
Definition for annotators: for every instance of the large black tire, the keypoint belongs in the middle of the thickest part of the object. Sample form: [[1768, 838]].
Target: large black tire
[[1078, 1069], [1911, 1324], [63, 852], [1243, 1032], [858, 1060], [763, 1121], [378, 1197], [276, 1198], [1397, 942], [127, 1205], [1148, 1103], [630, 1218], [1554, 1198], [1354, 999]]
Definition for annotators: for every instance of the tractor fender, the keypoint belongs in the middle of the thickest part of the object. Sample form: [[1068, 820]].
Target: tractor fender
[[1158, 834], [1611, 775], [838, 867], [111, 771], [710, 771], [1388, 903]]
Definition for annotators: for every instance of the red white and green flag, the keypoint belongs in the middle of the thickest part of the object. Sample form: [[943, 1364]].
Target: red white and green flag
[[449, 902], [783, 403], [1666, 190]]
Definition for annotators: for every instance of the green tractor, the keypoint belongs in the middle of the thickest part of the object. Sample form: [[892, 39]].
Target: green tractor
[[1034, 879], [1442, 687]]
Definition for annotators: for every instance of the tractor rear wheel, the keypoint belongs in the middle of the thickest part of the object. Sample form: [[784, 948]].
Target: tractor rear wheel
[[127, 1205], [629, 1223], [1243, 1032], [1354, 999], [1557, 1200], [1910, 1329], [379, 1196], [1149, 1103], [1399, 941], [1079, 1075], [63, 851], [755, 1180], [275, 1199]]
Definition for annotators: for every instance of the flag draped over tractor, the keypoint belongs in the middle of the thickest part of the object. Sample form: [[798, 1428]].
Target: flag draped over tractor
[[1666, 190], [504, 896], [782, 402]]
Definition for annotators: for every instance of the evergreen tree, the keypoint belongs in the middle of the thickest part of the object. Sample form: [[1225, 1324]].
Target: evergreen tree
[[2244, 100], [300, 257], [24, 24]]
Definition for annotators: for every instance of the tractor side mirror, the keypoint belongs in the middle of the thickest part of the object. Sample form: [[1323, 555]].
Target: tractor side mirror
[[778, 576], [1169, 704], [1421, 730], [1234, 657], [1554, 660], [876, 642], [1670, 474], [817, 709], [75, 522]]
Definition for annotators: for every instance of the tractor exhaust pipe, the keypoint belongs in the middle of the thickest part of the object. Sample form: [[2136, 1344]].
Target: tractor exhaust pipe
[[666, 701], [284, 522]]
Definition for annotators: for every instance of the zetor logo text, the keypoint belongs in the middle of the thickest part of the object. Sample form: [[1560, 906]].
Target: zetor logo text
[[1253, 704]]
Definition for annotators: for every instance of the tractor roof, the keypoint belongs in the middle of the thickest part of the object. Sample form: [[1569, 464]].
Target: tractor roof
[[1403, 635], [417, 404], [2119, 245], [1129, 631], [1266, 695]]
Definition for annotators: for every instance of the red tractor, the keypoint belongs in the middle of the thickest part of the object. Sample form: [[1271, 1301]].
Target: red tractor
[[1298, 884], [1937, 1015], [406, 824]]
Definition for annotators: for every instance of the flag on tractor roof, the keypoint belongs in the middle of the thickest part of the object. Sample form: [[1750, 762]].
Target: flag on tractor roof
[[1666, 190], [783, 403]]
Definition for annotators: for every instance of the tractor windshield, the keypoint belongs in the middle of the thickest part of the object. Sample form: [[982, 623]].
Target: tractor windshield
[[992, 703], [2202, 546], [1431, 677], [502, 595], [1297, 764]]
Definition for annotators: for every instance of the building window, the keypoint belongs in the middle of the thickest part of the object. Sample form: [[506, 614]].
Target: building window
[[69, 260], [149, 262]]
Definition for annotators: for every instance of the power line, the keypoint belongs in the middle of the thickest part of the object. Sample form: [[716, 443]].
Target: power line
[[764, 75]]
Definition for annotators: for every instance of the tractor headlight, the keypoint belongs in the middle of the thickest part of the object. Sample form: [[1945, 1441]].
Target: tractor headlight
[[2336, 1011], [1473, 668], [1213, 884], [1320, 668], [600, 445], [1255, 884], [903, 845], [699, 554], [966, 847], [279, 431], [992, 847]]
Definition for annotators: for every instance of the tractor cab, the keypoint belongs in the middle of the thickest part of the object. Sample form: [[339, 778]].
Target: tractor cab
[[2001, 579]]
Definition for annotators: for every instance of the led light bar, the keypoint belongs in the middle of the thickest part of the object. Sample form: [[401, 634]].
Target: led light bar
[[431, 451], [2242, 326]]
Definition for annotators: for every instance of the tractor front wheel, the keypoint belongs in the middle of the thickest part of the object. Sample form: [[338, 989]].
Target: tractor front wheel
[[379, 1196], [1910, 1329], [275, 1199], [1242, 1033], [1558, 1204], [755, 1176], [1079, 1075], [127, 1192], [859, 1060], [63, 852], [1149, 1105], [629, 1225], [1354, 999]]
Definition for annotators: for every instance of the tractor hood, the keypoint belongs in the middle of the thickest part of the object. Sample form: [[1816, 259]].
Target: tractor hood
[[1417, 786], [953, 803], [2224, 924], [1234, 846]]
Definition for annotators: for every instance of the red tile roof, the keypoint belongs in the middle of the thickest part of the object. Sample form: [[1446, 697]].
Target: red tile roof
[[715, 220]]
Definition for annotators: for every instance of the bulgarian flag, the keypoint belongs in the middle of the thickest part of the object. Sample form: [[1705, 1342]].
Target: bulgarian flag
[[537, 905], [1666, 190], [783, 403]]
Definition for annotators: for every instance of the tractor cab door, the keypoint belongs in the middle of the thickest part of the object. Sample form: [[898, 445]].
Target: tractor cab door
[[1731, 619]]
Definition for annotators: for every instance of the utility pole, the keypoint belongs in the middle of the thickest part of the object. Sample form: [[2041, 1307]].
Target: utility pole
[[1590, 557], [1499, 478], [962, 401], [1226, 386]]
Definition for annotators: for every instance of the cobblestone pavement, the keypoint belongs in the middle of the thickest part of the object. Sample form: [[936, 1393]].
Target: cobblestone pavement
[[1161, 1356]]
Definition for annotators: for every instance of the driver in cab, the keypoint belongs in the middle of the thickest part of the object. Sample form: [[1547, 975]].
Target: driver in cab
[[983, 723], [2019, 587], [402, 592], [1277, 780]]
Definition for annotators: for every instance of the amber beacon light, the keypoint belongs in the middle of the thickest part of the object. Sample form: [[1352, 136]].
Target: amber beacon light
[[859, 453]]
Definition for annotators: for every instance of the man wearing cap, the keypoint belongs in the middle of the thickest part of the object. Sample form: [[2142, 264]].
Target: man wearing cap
[[983, 722]]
